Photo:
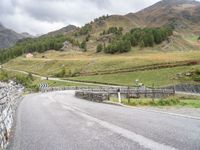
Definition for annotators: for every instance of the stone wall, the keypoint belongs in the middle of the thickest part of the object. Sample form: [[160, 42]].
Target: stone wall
[[10, 96], [92, 96]]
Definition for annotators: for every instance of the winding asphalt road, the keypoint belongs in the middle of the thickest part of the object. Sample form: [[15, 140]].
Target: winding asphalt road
[[59, 121]]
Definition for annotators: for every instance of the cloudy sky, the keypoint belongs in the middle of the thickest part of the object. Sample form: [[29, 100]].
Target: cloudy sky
[[42, 16]]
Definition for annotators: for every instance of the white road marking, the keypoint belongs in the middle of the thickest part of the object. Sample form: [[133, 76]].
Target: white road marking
[[141, 140], [163, 112]]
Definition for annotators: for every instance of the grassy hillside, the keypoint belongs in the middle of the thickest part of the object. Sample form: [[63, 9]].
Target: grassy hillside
[[53, 62], [161, 77]]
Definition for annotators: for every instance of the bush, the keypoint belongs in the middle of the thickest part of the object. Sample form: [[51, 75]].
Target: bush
[[30, 76], [99, 48], [87, 38], [120, 46], [84, 45], [3, 76], [196, 75], [61, 74], [113, 30]]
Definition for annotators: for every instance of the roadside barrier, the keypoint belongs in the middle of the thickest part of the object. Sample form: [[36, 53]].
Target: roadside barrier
[[11, 95], [100, 95]]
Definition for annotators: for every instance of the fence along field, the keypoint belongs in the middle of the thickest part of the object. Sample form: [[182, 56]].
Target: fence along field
[[104, 93]]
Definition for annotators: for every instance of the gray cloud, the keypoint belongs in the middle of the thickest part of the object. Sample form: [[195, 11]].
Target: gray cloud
[[42, 16]]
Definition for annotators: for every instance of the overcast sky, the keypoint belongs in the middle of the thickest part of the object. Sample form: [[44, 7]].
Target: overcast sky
[[42, 16]]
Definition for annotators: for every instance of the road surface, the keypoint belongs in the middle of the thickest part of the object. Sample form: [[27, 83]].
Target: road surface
[[59, 121]]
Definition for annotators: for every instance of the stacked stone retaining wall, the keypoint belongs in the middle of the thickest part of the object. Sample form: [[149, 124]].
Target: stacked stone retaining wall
[[10, 96], [92, 96]]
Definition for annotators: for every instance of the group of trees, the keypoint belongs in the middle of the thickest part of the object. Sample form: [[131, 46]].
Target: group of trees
[[139, 37], [120, 46], [199, 38], [148, 36], [104, 17], [113, 30], [84, 30], [30, 45]]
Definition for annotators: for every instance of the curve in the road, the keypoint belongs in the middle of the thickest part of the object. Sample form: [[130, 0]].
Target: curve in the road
[[60, 121]]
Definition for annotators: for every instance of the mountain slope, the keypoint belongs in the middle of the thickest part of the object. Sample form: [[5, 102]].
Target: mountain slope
[[184, 14], [8, 37], [66, 30]]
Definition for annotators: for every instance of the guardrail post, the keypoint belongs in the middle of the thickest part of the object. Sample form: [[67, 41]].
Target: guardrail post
[[153, 92], [119, 96], [128, 94], [145, 94], [174, 90], [108, 95]]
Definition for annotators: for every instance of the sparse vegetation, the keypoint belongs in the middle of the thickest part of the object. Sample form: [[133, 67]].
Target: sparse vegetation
[[175, 102]]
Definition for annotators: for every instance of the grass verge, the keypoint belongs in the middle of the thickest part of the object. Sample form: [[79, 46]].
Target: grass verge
[[179, 101]]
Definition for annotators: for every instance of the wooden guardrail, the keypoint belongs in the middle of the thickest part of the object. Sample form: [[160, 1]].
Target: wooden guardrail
[[100, 95]]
